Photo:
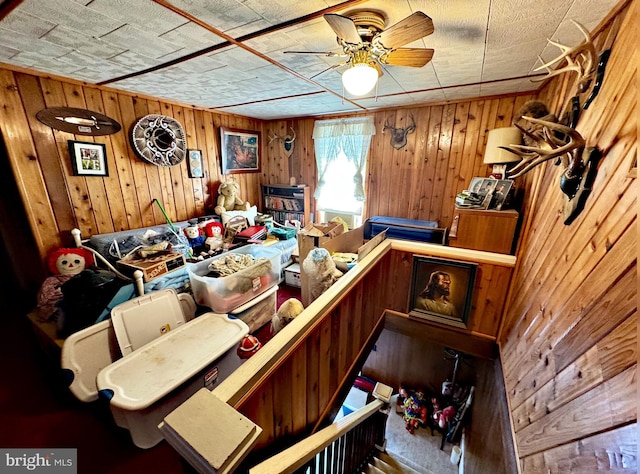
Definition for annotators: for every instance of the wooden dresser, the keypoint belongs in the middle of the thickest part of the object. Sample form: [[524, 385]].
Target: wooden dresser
[[477, 229]]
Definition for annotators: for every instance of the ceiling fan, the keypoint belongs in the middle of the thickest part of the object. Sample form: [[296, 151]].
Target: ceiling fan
[[367, 46]]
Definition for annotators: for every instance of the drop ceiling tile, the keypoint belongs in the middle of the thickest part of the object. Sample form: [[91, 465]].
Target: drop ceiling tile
[[71, 14], [142, 14]]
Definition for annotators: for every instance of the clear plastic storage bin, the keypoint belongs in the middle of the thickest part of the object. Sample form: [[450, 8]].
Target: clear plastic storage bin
[[226, 293]]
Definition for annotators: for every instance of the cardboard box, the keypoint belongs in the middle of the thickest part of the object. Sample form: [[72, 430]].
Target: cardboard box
[[334, 239], [153, 267], [292, 275]]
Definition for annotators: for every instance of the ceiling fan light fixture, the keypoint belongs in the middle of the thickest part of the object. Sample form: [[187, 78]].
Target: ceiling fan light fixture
[[360, 79]]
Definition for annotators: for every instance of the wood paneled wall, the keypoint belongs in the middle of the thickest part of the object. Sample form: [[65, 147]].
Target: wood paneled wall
[[57, 201], [303, 388], [569, 340], [421, 180]]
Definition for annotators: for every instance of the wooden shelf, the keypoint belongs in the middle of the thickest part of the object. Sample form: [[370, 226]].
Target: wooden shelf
[[285, 202]]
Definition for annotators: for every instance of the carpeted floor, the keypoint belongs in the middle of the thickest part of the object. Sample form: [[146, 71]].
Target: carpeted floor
[[420, 450]]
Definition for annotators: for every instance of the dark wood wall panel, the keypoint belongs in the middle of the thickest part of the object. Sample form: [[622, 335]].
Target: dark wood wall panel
[[569, 337], [57, 201], [419, 181], [304, 386]]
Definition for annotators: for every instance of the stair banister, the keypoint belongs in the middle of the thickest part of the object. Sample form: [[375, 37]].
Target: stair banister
[[295, 457]]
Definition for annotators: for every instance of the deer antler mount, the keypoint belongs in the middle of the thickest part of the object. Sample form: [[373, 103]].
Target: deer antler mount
[[546, 139], [399, 135], [287, 141]]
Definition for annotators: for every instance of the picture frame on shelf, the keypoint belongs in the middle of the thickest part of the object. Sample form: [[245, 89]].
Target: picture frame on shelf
[[442, 290], [484, 188], [240, 150], [500, 194], [194, 164], [88, 158]]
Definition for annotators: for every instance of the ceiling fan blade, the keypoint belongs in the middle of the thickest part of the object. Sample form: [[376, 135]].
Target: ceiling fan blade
[[330, 54], [415, 26], [344, 27], [412, 57], [335, 66]]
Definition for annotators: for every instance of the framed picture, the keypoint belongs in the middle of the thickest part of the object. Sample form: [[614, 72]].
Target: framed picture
[[88, 158], [441, 290], [484, 188], [240, 151], [194, 164], [500, 193]]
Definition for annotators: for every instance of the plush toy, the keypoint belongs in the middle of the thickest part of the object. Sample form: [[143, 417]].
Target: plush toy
[[229, 200], [286, 313], [196, 239], [64, 264], [321, 271], [414, 407], [214, 232], [442, 416]]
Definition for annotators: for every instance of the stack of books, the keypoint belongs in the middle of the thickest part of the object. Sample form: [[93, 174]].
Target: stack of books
[[252, 233]]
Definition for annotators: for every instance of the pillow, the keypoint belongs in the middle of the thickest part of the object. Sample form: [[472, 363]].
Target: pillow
[[250, 215]]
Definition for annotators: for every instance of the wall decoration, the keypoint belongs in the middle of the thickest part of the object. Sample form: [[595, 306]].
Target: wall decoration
[[545, 139], [78, 121], [286, 141], [441, 290], [240, 150], [194, 164], [159, 140], [88, 158], [399, 135]]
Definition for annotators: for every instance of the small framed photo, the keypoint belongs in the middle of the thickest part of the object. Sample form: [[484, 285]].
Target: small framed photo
[[442, 290], [88, 158], [194, 164], [240, 150], [484, 188], [500, 193]]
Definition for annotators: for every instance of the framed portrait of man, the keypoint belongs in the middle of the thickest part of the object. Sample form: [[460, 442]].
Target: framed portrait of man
[[442, 290]]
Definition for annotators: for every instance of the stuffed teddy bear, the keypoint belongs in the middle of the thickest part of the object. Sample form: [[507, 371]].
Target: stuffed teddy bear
[[228, 199], [286, 313], [321, 271]]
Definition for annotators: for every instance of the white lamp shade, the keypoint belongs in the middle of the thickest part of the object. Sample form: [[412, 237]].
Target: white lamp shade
[[502, 137], [359, 79]]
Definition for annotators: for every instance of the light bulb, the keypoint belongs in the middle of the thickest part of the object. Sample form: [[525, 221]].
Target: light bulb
[[359, 79]]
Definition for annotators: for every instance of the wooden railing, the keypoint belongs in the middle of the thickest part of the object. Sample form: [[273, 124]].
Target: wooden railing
[[295, 384], [340, 448]]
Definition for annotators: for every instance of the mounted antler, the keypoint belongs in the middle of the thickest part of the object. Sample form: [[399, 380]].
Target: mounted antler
[[287, 141], [580, 59], [550, 146], [399, 135], [548, 139]]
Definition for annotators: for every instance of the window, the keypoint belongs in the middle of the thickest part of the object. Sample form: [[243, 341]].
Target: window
[[341, 148]]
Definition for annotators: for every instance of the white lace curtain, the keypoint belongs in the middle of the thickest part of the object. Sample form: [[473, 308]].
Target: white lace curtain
[[353, 137]]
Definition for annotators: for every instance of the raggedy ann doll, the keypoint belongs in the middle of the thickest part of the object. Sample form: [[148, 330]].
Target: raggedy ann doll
[[64, 264]]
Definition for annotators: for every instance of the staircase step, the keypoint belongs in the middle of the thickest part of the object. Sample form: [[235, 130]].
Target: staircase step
[[398, 466], [371, 469], [385, 466]]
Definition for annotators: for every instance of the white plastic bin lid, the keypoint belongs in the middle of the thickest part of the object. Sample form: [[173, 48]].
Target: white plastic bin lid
[[254, 301], [149, 373], [147, 317]]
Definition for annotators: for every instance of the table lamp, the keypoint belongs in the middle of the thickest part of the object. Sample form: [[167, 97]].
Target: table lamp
[[499, 157]]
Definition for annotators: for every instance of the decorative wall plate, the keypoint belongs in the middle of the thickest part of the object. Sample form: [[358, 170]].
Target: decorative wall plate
[[78, 121], [159, 139]]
